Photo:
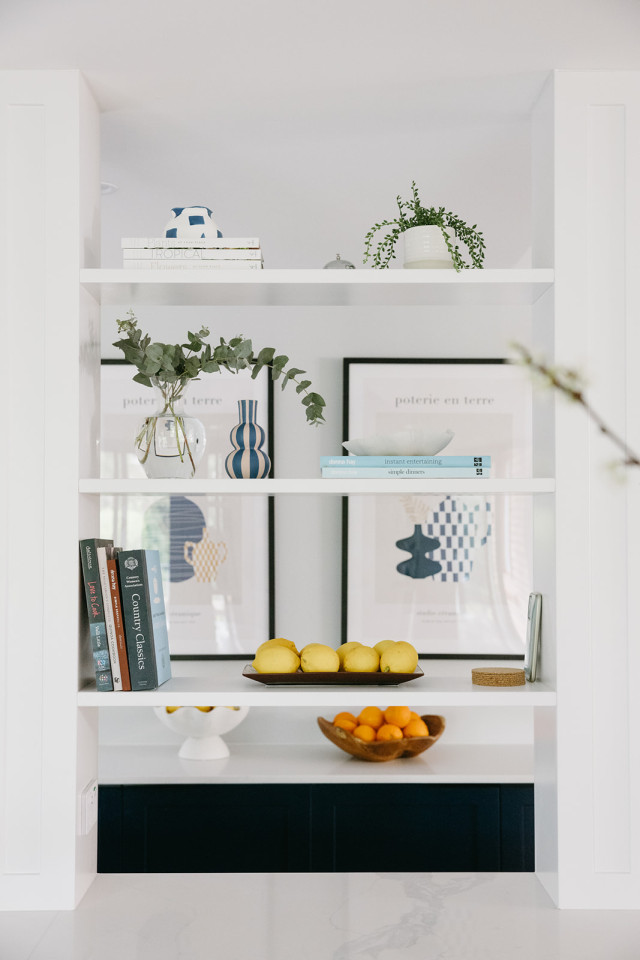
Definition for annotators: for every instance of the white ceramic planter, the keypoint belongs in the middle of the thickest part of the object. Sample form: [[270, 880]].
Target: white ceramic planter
[[425, 247], [202, 730]]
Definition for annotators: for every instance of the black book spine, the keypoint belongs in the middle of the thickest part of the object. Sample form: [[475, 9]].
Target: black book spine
[[95, 611], [136, 614]]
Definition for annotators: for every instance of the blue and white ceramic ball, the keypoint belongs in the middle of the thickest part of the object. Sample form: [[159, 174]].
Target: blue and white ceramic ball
[[192, 223]]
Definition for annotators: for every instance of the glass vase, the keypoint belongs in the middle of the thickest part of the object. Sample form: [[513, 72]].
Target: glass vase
[[170, 444], [247, 460]]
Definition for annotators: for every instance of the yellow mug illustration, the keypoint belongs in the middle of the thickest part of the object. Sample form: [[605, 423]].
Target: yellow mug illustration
[[206, 557]]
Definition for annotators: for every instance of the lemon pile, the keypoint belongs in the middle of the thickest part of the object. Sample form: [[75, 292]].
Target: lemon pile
[[388, 656]]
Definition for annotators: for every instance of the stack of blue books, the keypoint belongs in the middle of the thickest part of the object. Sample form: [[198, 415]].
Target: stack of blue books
[[407, 468]]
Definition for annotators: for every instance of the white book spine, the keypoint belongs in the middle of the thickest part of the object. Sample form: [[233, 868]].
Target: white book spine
[[205, 243], [189, 253], [193, 264], [109, 621]]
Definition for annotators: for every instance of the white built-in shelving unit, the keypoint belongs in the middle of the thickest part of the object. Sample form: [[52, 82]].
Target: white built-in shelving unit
[[322, 487], [225, 684], [586, 765], [317, 763], [397, 288]]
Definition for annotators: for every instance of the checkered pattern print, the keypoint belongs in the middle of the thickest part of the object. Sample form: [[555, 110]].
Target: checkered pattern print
[[205, 557], [459, 529]]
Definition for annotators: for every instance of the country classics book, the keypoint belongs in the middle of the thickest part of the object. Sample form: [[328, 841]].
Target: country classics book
[[393, 461], [204, 243], [145, 620], [104, 554], [404, 473], [95, 611]]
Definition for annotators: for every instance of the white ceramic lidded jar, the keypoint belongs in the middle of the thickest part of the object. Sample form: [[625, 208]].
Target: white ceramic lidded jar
[[425, 247]]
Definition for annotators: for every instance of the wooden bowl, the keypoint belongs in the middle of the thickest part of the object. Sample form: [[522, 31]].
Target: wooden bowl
[[380, 750]]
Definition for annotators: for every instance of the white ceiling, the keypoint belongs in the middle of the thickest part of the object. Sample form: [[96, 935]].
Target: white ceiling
[[225, 102], [285, 56]]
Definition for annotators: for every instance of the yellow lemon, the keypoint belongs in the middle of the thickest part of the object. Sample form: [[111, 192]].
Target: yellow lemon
[[402, 657], [279, 642], [205, 709], [382, 645], [319, 658], [344, 648], [276, 659], [361, 660]]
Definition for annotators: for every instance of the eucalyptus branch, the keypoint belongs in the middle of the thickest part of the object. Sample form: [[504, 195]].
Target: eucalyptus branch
[[411, 213], [174, 365], [568, 382]]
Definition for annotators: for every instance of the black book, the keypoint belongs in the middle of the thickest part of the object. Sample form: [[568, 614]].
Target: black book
[[145, 622], [95, 611]]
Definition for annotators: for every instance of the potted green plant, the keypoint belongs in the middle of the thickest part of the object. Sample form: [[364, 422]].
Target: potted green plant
[[169, 443], [429, 234]]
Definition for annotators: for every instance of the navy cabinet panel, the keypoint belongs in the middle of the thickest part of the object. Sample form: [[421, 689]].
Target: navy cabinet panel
[[278, 828], [517, 840], [214, 829], [110, 847], [408, 827]]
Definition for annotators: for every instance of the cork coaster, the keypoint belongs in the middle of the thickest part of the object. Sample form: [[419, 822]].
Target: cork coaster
[[498, 676]]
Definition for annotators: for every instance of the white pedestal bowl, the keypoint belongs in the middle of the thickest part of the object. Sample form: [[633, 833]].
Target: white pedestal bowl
[[203, 729]]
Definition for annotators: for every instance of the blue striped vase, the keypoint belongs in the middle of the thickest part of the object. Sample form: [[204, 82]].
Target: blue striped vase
[[247, 459]]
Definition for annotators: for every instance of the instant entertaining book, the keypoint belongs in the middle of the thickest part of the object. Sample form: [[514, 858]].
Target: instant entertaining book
[[394, 461], [145, 620]]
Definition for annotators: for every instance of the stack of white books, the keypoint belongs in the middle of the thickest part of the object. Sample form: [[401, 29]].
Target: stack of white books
[[179, 253]]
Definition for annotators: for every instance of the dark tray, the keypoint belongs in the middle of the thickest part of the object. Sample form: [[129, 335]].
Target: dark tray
[[342, 677]]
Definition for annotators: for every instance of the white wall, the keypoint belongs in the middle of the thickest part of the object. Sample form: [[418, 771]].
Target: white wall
[[311, 190]]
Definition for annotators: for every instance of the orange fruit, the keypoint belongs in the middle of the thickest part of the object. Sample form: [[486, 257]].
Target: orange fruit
[[416, 728], [345, 720], [372, 717], [415, 716], [364, 732], [389, 731], [398, 715]]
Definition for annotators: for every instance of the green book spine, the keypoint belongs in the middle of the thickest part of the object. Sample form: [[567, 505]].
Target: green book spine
[[95, 611]]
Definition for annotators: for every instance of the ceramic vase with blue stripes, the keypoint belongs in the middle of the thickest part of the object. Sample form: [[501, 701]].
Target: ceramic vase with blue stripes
[[247, 459]]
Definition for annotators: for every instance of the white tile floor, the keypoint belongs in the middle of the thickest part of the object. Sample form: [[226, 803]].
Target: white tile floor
[[319, 917]]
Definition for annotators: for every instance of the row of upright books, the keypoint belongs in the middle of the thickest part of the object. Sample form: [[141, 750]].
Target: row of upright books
[[181, 253], [405, 468], [127, 617]]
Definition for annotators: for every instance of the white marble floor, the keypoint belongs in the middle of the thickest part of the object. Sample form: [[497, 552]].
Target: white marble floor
[[319, 917]]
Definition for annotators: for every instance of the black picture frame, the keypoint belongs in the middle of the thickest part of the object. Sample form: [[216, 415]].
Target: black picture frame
[[127, 466], [507, 503]]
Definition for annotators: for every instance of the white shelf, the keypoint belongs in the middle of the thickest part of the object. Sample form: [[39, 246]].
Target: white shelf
[[119, 287], [346, 487], [320, 762], [224, 685]]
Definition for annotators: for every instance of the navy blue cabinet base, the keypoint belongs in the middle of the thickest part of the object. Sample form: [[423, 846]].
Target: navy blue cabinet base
[[281, 828]]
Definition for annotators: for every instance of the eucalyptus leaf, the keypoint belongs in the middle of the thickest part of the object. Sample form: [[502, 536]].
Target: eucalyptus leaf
[[179, 363]]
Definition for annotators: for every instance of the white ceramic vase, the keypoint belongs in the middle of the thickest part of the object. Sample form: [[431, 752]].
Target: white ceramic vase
[[425, 247], [203, 730]]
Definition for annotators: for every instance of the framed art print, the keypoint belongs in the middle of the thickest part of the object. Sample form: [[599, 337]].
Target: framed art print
[[467, 596], [216, 551]]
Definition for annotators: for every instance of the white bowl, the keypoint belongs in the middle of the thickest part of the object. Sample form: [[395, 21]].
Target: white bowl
[[411, 442], [202, 729]]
